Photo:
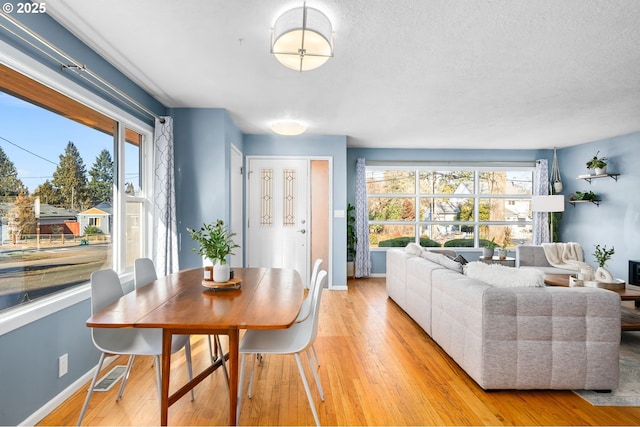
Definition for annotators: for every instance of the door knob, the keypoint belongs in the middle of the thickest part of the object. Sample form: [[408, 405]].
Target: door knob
[[302, 231]]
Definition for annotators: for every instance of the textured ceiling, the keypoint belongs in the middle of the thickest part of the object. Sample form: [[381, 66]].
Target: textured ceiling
[[411, 73]]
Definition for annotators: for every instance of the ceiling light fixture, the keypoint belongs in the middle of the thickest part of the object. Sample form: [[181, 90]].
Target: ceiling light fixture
[[302, 38], [288, 128]]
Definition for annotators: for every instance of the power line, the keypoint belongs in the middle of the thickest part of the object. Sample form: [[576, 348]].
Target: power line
[[30, 152]]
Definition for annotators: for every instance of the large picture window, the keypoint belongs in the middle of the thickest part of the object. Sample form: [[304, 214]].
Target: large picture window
[[69, 204], [449, 206]]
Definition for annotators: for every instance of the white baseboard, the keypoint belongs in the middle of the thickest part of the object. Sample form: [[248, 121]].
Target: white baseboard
[[58, 400], [340, 288]]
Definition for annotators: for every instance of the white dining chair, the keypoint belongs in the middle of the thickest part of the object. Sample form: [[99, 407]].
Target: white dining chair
[[144, 272], [294, 340], [306, 303], [106, 289]]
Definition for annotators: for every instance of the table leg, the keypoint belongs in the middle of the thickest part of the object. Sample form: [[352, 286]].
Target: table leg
[[234, 342], [166, 368]]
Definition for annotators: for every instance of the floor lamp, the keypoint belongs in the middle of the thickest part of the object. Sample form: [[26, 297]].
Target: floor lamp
[[548, 204]]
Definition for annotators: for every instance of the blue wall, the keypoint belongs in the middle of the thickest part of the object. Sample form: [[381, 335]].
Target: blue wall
[[616, 222], [202, 141], [379, 257], [29, 355], [315, 145]]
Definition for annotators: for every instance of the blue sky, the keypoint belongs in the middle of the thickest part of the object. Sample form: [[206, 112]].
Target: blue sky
[[45, 134]]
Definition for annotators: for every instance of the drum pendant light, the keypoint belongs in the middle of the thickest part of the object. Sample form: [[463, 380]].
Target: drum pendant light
[[302, 38]]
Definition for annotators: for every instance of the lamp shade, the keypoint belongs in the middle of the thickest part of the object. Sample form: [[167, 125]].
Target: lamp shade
[[288, 128], [550, 203], [302, 39]]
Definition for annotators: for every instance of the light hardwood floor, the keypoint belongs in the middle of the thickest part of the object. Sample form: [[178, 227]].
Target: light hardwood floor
[[377, 368]]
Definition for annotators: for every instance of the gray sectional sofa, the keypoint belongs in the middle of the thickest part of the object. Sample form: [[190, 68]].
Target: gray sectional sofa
[[511, 338]]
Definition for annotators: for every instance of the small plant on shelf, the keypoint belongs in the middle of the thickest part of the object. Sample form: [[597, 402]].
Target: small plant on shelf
[[597, 162], [587, 195]]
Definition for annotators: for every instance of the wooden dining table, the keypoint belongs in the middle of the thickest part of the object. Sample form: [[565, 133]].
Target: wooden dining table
[[268, 298]]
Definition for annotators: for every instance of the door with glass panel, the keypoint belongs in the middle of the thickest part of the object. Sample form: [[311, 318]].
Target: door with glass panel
[[277, 212]]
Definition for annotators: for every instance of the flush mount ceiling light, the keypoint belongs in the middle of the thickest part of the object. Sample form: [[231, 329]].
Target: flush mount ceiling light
[[302, 38], [288, 128]]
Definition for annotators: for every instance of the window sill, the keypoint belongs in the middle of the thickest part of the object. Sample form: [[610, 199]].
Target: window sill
[[17, 317]]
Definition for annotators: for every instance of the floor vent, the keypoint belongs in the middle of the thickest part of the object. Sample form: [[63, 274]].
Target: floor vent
[[105, 383]]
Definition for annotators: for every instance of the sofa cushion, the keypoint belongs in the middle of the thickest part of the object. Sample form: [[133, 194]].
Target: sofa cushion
[[503, 276], [443, 260]]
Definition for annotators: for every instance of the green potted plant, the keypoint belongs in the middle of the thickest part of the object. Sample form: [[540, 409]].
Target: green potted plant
[[602, 255], [502, 252], [216, 244], [489, 248], [351, 239], [599, 164], [587, 195]]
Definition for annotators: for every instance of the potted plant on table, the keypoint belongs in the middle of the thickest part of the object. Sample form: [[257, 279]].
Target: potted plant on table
[[602, 255], [216, 244], [502, 252], [489, 248], [599, 164]]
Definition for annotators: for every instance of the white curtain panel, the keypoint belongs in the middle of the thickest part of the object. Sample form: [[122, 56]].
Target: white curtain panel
[[541, 188], [362, 261], [165, 254]]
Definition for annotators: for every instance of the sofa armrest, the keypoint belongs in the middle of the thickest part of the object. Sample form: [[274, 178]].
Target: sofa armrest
[[531, 256]]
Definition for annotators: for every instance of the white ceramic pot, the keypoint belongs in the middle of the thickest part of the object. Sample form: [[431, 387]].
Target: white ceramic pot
[[601, 171], [603, 275], [221, 272], [487, 253], [557, 186]]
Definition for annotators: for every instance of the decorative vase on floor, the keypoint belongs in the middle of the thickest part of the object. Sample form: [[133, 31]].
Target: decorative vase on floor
[[221, 272], [603, 275]]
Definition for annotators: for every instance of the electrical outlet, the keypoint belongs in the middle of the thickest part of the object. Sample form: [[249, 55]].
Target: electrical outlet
[[63, 365]]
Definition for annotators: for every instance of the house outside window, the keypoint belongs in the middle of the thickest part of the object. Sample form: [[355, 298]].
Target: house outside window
[[449, 206], [63, 225]]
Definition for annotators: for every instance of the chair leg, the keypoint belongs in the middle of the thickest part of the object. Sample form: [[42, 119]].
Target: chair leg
[[315, 353], [221, 355], [253, 370], [213, 353], [315, 375], [125, 378], [306, 388], [93, 384], [158, 378], [187, 353], [240, 379]]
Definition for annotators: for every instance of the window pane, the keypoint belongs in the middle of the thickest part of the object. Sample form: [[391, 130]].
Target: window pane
[[446, 182], [513, 235], [505, 209], [506, 182], [132, 156], [391, 209], [446, 209], [390, 181], [55, 192], [448, 235], [391, 235], [133, 229]]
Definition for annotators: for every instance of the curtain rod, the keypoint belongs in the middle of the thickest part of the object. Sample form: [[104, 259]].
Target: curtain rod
[[80, 70], [449, 163]]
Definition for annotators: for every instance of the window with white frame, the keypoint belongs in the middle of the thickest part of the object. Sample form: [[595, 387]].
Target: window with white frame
[[444, 206], [72, 200]]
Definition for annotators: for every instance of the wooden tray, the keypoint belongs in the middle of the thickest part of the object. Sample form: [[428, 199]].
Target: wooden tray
[[231, 284], [619, 284]]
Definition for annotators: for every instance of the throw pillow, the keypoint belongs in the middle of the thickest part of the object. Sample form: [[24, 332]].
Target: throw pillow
[[413, 249], [443, 260], [462, 260], [505, 277]]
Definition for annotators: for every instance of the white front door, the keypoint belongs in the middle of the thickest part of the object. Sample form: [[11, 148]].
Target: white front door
[[277, 206]]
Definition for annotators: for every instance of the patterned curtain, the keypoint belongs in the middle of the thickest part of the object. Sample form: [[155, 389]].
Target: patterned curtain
[[362, 261], [541, 188], [165, 254]]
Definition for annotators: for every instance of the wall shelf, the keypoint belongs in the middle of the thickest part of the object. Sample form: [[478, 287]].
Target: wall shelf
[[595, 202], [588, 178]]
